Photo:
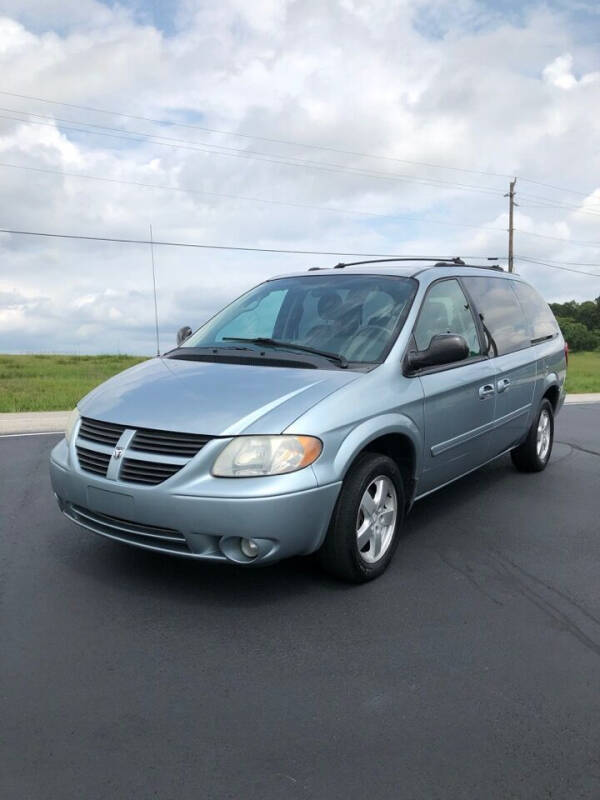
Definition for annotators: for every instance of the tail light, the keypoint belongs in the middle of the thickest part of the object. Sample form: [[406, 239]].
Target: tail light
[[567, 353]]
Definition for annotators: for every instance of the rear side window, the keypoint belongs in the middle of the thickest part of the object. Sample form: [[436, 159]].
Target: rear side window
[[540, 317], [504, 322]]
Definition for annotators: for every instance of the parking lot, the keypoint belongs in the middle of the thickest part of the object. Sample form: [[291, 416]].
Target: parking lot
[[470, 670]]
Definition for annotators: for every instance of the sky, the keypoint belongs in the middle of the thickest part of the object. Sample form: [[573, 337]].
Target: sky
[[316, 125]]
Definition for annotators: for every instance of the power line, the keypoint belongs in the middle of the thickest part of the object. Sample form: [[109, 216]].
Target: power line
[[526, 260], [552, 207], [156, 242], [543, 198], [558, 239], [546, 202], [126, 135], [285, 203], [560, 207], [569, 263], [258, 156], [315, 165], [129, 134], [271, 140], [512, 229], [289, 142], [307, 206], [539, 183]]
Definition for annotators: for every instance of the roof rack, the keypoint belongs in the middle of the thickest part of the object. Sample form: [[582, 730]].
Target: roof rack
[[443, 262]]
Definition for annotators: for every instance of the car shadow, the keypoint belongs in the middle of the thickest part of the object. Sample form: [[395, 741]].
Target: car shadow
[[120, 566], [473, 490]]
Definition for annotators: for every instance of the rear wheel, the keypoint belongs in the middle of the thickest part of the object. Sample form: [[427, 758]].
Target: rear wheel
[[364, 528], [534, 454]]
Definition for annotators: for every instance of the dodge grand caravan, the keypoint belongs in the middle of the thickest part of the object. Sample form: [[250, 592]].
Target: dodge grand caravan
[[311, 413]]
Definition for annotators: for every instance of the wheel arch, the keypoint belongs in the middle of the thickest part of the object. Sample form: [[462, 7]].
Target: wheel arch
[[396, 436], [552, 392]]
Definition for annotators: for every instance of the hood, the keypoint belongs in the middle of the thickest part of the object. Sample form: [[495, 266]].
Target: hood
[[211, 398]]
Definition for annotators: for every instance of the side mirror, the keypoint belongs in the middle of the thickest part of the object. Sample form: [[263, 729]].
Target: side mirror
[[445, 348], [183, 334]]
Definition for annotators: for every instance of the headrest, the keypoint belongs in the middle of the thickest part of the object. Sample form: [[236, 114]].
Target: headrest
[[329, 304]]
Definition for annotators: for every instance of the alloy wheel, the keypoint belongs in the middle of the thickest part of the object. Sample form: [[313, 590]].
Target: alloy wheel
[[544, 435], [376, 519]]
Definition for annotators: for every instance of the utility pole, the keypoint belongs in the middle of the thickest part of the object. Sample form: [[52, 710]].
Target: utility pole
[[511, 205]]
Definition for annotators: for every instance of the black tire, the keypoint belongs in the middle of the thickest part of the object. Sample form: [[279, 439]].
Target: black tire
[[526, 457], [340, 554]]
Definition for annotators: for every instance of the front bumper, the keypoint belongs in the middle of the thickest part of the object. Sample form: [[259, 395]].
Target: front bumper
[[198, 518]]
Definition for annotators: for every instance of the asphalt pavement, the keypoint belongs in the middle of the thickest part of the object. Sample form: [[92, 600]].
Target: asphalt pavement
[[471, 669]]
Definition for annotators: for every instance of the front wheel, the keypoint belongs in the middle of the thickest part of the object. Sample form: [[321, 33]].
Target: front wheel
[[366, 521], [534, 454]]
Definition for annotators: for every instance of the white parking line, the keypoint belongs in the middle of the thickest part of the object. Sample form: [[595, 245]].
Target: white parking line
[[36, 433], [582, 399]]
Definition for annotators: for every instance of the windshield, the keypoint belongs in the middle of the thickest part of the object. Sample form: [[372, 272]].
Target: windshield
[[356, 317]]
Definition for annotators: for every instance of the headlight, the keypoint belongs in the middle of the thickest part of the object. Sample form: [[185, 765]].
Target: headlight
[[248, 456], [71, 423]]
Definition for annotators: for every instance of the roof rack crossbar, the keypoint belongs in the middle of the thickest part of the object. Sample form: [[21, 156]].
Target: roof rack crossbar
[[443, 261], [437, 262]]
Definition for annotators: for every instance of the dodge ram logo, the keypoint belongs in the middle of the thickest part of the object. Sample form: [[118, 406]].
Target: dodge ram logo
[[118, 453]]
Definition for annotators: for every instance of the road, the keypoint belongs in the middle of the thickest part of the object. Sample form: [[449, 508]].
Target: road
[[470, 670]]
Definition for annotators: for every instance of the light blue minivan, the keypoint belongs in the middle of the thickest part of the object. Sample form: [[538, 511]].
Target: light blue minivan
[[312, 412]]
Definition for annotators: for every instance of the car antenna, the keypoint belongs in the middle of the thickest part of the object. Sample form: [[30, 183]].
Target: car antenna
[[154, 287]]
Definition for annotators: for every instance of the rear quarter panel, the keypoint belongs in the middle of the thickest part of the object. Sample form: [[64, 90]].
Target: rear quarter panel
[[552, 369]]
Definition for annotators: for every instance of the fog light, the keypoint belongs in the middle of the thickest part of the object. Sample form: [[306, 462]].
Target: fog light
[[249, 548]]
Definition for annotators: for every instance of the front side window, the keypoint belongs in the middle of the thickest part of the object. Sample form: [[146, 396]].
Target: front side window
[[539, 315], [503, 320], [446, 310], [354, 316]]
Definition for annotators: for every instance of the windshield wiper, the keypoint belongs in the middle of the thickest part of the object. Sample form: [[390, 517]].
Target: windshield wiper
[[184, 353], [291, 346], [543, 338]]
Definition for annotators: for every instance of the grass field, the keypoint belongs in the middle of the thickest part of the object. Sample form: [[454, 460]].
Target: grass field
[[583, 374], [56, 383]]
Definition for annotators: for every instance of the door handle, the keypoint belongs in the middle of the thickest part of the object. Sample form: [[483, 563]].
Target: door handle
[[486, 391], [503, 384]]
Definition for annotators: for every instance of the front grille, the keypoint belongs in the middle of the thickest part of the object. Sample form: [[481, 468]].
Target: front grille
[[148, 472], [184, 445], [93, 461], [155, 448], [102, 432], [132, 532]]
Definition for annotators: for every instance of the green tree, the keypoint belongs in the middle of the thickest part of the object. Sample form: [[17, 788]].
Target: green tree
[[586, 313], [569, 310], [589, 314], [577, 335]]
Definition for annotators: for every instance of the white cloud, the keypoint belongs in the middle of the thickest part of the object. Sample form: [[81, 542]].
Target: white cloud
[[560, 73], [476, 92]]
